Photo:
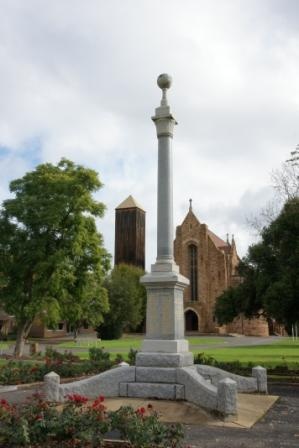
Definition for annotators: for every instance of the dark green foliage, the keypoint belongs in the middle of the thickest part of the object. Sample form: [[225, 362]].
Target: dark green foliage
[[66, 364], [143, 428], [55, 355], [228, 306], [97, 354], [270, 274], [201, 358], [132, 356], [245, 369], [21, 372], [127, 299], [110, 329], [119, 358], [81, 423], [52, 260]]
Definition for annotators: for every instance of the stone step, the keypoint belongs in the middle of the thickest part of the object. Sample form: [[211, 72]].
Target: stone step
[[159, 359], [156, 375], [161, 391]]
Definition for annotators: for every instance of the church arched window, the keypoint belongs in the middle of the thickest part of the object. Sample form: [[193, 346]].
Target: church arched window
[[193, 272]]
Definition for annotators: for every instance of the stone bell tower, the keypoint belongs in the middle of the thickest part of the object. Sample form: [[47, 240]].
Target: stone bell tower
[[130, 233]]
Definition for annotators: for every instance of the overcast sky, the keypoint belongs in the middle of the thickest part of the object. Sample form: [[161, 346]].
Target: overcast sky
[[78, 80]]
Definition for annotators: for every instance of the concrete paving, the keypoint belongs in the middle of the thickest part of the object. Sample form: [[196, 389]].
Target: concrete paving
[[250, 409], [278, 428]]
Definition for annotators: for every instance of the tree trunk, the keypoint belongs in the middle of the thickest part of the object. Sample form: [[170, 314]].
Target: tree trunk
[[75, 332], [22, 333]]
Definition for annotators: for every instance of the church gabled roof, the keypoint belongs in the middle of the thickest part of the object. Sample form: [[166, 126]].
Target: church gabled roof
[[216, 240], [219, 243], [130, 202]]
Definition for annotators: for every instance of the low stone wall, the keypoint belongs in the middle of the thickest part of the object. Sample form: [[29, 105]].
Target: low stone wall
[[256, 383], [106, 383], [182, 383]]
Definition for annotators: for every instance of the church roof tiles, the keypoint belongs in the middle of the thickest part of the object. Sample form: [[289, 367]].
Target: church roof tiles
[[216, 240]]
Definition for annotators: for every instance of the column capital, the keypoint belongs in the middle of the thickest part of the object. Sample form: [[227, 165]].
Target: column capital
[[164, 124], [163, 118]]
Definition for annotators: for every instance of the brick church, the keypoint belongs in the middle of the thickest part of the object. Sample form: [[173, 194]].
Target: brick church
[[210, 265], [209, 262]]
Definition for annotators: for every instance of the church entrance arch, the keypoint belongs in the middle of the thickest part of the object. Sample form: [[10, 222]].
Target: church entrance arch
[[191, 320]]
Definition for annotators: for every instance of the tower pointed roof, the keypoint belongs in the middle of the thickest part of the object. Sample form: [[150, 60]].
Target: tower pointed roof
[[130, 202]]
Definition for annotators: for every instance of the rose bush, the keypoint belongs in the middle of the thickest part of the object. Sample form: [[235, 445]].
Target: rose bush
[[65, 364], [80, 423], [21, 372]]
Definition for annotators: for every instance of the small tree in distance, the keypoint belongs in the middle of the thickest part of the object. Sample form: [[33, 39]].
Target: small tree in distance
[[52, 259], [127, 299]]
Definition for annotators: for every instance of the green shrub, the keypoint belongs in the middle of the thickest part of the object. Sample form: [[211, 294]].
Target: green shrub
[[244, 369], [143, 428], [110, 330], [118, 358], [132, 356], [81, 424], [55, 355], [20, 372], [201, 358], [97, 354]]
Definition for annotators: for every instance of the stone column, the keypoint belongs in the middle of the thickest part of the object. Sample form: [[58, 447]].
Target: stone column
[[164, 122], [164, 285]]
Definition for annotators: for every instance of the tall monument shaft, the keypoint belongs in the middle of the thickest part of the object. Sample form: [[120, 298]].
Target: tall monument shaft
[[164, 122], [165, 285]]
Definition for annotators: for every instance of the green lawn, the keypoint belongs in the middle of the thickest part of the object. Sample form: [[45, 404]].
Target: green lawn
[[283, 352], [124, 344]]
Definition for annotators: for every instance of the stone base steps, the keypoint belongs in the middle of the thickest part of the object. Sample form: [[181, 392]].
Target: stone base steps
[[162, 391], [165, 383]]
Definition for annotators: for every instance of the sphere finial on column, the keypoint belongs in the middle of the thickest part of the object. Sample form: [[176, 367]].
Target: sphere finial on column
[[164, 81]]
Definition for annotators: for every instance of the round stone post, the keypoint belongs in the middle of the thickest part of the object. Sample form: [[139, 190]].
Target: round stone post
[[227, 398], [51, 386], [260, 373]]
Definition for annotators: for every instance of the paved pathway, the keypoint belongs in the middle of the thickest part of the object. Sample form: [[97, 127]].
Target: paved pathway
[[279, 428]]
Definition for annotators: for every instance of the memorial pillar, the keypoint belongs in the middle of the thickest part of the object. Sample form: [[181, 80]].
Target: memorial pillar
[[164, 284]]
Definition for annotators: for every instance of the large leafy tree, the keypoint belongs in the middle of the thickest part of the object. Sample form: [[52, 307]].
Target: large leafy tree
[[270, 274], [127, 299], [52, 260]]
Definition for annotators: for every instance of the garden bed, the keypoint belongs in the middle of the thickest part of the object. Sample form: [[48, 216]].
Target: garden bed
[[79, 422], [104, 444]]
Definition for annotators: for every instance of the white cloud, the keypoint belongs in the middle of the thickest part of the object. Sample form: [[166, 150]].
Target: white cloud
[[79, 78]]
